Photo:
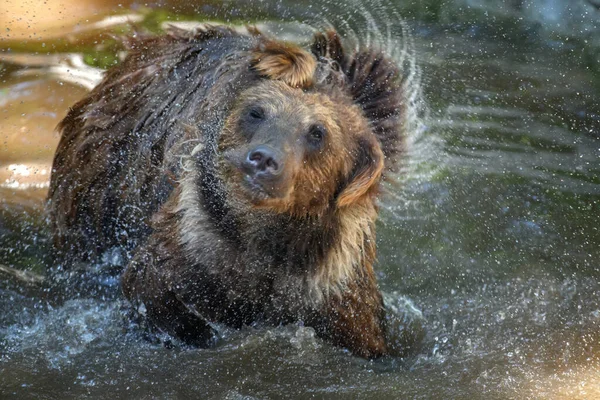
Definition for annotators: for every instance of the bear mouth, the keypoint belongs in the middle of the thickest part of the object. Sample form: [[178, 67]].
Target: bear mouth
[[255, 190]]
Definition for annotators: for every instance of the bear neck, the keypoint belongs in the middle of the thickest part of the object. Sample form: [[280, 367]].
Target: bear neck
[[323, 253]]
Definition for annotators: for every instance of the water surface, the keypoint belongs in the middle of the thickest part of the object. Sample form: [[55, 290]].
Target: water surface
[[492, 229]]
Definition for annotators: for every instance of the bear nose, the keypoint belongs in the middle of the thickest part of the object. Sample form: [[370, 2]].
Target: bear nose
[[263, 159]]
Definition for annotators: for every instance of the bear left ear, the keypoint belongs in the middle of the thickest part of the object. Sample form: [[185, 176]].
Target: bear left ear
[[376, 84], [285, 62], [365, 175]]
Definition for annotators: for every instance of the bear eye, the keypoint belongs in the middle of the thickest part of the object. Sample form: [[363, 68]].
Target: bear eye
[[316, 134], [257, 113]]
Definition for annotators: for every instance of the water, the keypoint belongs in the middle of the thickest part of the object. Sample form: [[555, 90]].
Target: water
[[492, 233]]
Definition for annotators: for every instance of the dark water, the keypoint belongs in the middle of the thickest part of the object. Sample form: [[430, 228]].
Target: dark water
[[493, 232]]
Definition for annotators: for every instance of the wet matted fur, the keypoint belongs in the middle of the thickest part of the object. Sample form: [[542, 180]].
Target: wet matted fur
[[147, 163]]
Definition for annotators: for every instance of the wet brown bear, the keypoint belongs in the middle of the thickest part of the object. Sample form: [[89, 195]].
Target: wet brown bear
[[240, 173]]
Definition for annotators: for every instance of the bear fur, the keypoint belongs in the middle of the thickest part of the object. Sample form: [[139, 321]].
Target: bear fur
[[240, 175]]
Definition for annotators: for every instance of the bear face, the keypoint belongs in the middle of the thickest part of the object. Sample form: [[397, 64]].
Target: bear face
[[298, 152]]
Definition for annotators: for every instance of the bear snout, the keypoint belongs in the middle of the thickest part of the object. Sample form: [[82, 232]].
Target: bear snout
[[263, 162]]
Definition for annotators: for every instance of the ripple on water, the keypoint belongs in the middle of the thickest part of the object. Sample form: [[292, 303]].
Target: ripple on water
[[492, 234], [56, 334]]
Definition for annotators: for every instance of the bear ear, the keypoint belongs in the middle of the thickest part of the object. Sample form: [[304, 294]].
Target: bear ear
[[329, 45], [374, 81], [365, 174], [285, 62]]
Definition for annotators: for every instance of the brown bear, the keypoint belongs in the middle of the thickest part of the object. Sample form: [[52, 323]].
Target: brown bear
[[240, 173]]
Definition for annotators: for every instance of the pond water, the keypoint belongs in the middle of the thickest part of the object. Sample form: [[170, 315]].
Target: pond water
[[493, 230]]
